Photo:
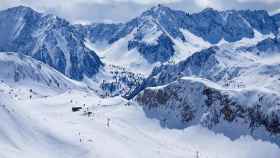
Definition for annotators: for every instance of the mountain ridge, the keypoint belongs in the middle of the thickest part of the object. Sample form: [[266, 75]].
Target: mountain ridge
[[49, 39], [157, 32], [211, 77]]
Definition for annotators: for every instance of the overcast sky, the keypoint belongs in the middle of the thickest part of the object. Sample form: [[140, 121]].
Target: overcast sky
[[123, 10]]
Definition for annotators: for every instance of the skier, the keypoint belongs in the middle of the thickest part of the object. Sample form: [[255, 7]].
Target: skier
[[108, 122]]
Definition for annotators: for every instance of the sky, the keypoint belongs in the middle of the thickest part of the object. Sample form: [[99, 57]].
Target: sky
[[109, 11]]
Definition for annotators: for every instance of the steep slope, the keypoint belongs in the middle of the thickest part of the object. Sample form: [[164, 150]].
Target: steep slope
[[230, 25], [235, 67], [155, 34], [190, 101], [49, 39], [277, 19], [158, 35], [232, 86], [244, 98], [17, 69], [46, 127], [161, 34], [23, 136]]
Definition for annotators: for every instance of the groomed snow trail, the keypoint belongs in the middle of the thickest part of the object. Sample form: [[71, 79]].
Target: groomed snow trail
[[47, 127]]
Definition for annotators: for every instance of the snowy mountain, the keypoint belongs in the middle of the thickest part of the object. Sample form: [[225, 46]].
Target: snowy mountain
[[161, 34], [191, 101], [158, 35], [227, 65], [227, 89], [46, 127], [20, 69], [49, 39], [165, 84], [267, 46], [277, 19], [153, 34]]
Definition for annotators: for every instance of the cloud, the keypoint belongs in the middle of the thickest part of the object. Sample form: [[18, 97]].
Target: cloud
[[146, 2], [123, 10], [262, 1], [208, 4]]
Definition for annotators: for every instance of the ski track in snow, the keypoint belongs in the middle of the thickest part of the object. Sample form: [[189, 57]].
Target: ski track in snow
[[46, 127], [40, 123]]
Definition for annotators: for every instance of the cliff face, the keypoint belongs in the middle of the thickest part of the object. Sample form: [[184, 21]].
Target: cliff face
[[189, 101], [159, 32], [49, 39]]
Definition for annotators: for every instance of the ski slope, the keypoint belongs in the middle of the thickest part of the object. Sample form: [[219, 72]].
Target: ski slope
[[46, 127]]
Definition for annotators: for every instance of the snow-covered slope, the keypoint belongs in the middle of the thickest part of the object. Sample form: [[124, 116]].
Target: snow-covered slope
[[49, 39], [46, 127], [217, 82], [191, 101], [229, 65], [21, 135], [18, 69], [161, 34], [129, 59]]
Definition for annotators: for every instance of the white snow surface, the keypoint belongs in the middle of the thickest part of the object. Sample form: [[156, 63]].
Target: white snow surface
[[245, 41], [27, 71], [257, 71], [119, 55], [185, 49], [46, 127]]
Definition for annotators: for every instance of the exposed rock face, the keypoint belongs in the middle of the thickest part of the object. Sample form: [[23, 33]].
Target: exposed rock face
[[205, 64], [267, 45], [154, 32], [24, 69], [224, 65], [277, 19], [191, 101], [49, 39], [244, 99], [261, 21], [161, 52]]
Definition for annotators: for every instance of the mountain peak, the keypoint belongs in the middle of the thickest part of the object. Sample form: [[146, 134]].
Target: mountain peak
[[21, 8], [22, 11], [158, 10], [159, 7], [208, 10]]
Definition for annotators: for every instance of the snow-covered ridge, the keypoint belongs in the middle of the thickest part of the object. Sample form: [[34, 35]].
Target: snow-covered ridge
[[162, 34], [191, 101], [230, 66], [229, 89], [20, 69], [159, 34], [49, 39], [46, 127], [220, 73]]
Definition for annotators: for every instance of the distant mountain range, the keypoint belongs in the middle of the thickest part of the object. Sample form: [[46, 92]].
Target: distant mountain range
[[156, 30], [158, 35], [214, 68]]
